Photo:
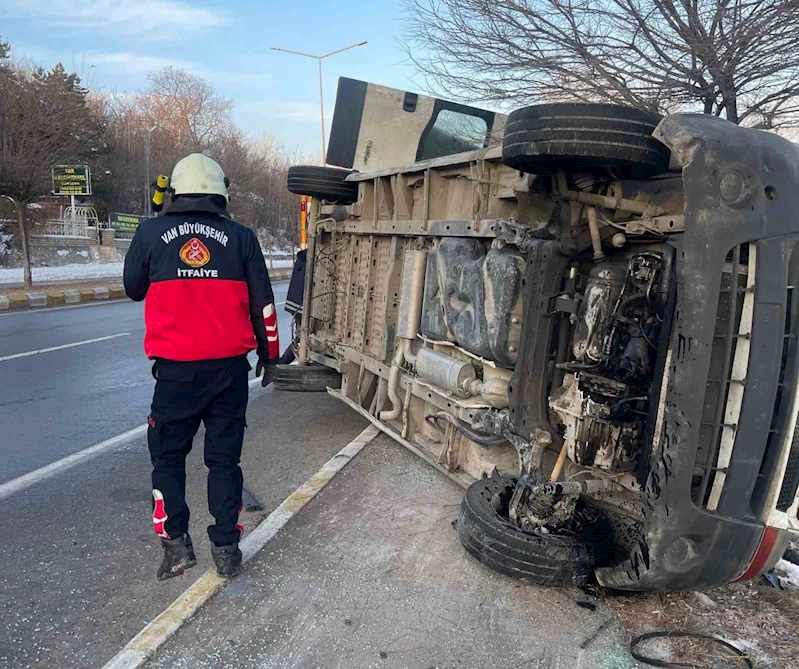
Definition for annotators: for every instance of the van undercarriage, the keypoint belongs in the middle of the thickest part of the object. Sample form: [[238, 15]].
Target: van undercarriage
[[611, 351]]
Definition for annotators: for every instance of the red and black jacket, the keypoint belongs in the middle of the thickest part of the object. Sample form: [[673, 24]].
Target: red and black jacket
[[207, 288]]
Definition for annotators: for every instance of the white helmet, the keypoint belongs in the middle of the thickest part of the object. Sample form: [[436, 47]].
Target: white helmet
[[199, 175]]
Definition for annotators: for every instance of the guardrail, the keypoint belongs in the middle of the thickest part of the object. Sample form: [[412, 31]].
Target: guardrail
[[281, 261]]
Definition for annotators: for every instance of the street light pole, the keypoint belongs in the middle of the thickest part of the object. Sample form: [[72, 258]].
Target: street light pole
[[321, 88], [322, 113], [147, 161]]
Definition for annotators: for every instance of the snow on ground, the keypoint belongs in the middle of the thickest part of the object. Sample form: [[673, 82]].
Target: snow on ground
[[5, 247], [789, 574], [112, 270], [88, 271], [282, 263]]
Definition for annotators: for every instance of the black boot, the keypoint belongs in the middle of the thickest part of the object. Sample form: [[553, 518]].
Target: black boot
[[227, 560], [288, 356], [178, 556]]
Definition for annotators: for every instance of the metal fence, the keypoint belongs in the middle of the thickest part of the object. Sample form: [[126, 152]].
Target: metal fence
[[63, 228], [75, 222]]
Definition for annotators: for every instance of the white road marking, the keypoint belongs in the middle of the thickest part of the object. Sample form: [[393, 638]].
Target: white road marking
[[145, 644], [48, 310], [62, 347], [83, 305], [43, 473]]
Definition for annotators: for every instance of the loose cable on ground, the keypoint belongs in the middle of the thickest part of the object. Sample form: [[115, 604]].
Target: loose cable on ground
[[674, 635]]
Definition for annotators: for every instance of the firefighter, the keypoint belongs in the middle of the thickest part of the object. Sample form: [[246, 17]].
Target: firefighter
[[209, 303]]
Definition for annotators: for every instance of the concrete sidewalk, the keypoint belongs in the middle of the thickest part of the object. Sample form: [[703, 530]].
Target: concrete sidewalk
[[75, 292], [371, 574]]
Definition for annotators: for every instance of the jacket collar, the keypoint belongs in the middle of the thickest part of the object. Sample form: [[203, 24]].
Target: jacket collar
[[203, 204]]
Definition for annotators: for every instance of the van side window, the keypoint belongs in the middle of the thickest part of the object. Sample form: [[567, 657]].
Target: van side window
[[453, 132]]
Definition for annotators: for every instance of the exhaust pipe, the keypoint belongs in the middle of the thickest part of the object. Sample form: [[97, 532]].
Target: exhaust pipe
[[408, 322]]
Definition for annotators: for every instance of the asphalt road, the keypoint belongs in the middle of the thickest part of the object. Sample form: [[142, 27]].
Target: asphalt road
[[56, 403], [77, 551]]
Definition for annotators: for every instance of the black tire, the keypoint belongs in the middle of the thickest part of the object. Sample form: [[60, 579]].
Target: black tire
[[542, 559], [306, 378], [323, 183], [584, 136]]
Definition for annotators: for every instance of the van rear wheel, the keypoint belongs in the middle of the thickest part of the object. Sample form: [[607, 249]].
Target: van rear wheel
[[487, 533], [322, 183], [584, 136]]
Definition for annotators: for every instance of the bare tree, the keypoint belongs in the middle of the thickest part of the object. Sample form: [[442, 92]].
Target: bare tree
[[180, 114], [44, 121], [261, 199], [149, 132], [48, 118], [187, 107], [733, 58]]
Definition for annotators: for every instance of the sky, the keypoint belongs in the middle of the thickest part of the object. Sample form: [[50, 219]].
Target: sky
[[114, 44]]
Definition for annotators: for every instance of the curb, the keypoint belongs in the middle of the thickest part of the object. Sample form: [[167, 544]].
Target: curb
[[111, 291], [71, 296], [147, 642], [55, 298]]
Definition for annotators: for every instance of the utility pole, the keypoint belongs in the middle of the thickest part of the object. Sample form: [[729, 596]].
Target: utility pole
[[321, 88]]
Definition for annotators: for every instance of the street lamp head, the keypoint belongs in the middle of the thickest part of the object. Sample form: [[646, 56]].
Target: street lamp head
[[296, 53], [321, 90]]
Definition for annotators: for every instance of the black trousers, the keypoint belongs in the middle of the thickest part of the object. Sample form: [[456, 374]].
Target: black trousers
[[215, 393]]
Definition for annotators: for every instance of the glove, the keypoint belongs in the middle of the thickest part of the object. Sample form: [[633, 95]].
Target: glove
[[269, 370]]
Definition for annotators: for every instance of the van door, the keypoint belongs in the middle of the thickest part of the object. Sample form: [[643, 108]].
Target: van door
[[377, 127]]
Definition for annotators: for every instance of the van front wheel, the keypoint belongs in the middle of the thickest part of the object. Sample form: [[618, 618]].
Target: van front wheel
[[576, 136], [486, 532]]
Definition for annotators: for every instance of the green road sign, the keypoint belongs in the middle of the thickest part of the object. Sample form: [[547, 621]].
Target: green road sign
[[72, 180], [125, 223]]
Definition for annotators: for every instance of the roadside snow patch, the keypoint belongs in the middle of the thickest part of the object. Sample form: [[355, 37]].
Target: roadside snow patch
[[5, 246], [277, 258], [789, 574], [111, 270], [88, 271], [282, 263]]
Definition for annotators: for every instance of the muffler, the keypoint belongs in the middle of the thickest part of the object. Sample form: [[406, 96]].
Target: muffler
[[460, 378], [409, 319]]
